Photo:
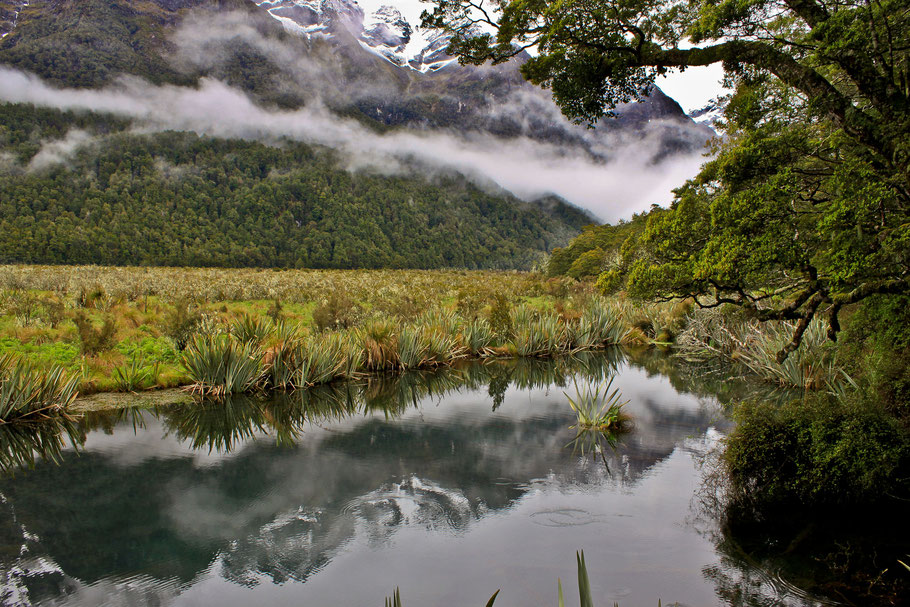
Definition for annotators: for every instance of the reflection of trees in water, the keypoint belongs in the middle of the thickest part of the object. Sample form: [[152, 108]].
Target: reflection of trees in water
[[720, 381], [281, 511], [849, 562], [24, 444], [224, 425], [822, 558]]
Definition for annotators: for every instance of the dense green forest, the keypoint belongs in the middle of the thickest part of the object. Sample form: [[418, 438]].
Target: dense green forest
[[91, 42], [598, 248], [180, 199]]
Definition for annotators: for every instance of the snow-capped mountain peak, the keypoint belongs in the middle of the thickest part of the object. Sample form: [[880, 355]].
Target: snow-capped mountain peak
[[385, 32], [710, 115], [388, 27], [308, 17]]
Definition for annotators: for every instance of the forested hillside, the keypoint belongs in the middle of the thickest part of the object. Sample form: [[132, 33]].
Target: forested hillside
[[599, 247], [180, 199]]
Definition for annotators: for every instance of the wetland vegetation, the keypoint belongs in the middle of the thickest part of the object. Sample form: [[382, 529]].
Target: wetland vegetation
[[775, 286]]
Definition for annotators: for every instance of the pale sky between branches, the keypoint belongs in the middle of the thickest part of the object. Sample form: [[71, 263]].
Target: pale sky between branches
[[693, 89]]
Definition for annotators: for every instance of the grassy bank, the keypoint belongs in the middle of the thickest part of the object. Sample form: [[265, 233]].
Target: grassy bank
[[131, 329], [125, 329]]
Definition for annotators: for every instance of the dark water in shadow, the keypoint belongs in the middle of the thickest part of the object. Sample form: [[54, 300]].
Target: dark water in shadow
[[449, 485]]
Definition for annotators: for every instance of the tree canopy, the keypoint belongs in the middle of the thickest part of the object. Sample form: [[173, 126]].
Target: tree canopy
[[804, 207]]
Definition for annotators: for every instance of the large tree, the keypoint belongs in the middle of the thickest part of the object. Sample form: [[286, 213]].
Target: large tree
[[806, 206]]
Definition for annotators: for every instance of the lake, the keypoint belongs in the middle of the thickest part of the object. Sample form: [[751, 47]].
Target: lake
[[447, 485]]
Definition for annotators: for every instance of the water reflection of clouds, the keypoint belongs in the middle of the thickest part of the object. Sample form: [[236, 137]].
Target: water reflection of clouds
[[446, 476]]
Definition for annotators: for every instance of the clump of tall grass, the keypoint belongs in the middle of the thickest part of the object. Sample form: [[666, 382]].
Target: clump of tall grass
[[219, 365], [597, 327], [250, 330], [281, 364], [598, 408], [538, 334], [134, 375], [320, 361], [411, 347], [30, 393], [379, 345], [753, 344], [440, 331], [478, 337]]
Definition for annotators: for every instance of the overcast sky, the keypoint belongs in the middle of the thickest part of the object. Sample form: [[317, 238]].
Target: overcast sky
[[693, 89]]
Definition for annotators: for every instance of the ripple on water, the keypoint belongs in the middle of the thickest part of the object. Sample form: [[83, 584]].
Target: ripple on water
[[565, 517]]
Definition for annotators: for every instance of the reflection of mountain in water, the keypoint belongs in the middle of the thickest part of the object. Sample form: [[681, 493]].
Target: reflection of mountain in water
[[167, 495]]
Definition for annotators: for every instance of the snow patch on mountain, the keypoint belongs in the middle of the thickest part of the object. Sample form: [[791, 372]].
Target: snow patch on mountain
[[385, 32], [710, 115]]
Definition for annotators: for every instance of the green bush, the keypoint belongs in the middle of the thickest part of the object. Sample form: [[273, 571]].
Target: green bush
[[337, 311], [500, 317], [180, 323], [94, 340], [587, 264], [817, 453], [876, 342]]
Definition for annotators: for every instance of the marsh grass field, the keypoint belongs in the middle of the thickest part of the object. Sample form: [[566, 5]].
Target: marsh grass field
[[126, 328], [120, 329]]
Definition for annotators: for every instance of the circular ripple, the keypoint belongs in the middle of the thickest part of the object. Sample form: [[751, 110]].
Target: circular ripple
[[564, 517]]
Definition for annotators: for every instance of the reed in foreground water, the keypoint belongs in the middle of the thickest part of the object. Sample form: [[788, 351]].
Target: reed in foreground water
[[585, 594]]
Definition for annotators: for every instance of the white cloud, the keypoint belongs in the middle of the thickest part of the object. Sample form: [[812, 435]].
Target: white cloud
[[59, 151], [526, 167]]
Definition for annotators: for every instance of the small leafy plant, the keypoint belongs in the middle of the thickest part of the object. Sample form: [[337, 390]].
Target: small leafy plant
[[598, 408]]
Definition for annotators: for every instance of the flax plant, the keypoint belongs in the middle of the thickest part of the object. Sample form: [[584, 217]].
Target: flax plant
[[134, 375], [249, 330], [598, 408], [412, 348], [478, 337], [813, 366], [319, 361], [380, 348], [221, 365], [29, 393]]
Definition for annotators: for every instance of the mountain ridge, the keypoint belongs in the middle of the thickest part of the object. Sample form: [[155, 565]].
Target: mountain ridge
[[368, 67]]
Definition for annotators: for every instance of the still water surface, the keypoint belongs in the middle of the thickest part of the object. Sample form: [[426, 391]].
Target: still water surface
[[449, 486]]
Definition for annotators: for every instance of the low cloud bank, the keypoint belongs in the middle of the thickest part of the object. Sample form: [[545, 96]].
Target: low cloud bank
[[527, 168]]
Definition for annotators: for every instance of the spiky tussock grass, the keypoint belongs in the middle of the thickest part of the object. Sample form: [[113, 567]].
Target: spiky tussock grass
[[813, 366], [281, 363], [250, 330], [537, 334], [31, 393], [598, 408], [477, 337], [220, 365], [412, 347], [134, 375], [320, 361], [379, 345]]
